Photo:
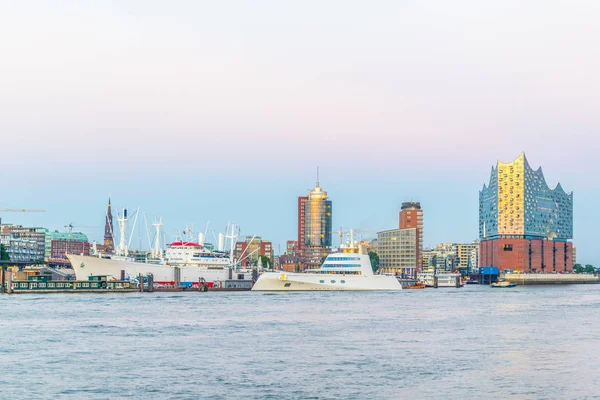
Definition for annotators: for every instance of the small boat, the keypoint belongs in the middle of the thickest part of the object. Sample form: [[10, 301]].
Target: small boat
[[417, 285], [503, 284]]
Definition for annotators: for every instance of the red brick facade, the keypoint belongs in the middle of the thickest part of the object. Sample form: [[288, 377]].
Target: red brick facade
[[527, 255], [61, 247]]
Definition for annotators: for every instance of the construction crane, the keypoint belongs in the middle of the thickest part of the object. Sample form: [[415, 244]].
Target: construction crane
[[71, 226], [24, 210], [19, 210], [350, 233]]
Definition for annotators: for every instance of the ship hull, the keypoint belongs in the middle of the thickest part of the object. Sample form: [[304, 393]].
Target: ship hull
[[294, 282], [84, 266]]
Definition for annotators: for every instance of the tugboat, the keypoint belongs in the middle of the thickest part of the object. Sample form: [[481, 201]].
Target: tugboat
[[503, 284]]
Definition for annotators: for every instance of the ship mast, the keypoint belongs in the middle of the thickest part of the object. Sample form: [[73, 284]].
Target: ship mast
[[122, 220], [156, 252]]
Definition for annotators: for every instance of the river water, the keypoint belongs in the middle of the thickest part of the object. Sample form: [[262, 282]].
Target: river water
[[474, 342]]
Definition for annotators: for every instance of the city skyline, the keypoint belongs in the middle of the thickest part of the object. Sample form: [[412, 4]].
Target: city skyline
[[218, 112]]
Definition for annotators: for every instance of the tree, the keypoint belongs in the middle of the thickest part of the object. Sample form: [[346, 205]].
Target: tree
[[266, 262], [578, 268], [3, 253], [374, 261], [589, 269]]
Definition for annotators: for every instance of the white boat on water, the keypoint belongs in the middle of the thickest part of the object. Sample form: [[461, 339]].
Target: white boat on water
[[444, 279], [340, 271], [192, 260], [184, 261]]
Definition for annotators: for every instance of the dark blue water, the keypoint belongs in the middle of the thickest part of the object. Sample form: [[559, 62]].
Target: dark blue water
[[474, 342]]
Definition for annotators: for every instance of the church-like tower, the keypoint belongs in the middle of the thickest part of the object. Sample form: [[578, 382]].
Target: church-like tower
[[109, 242]]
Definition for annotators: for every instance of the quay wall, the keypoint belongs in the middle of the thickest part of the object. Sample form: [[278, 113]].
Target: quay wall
[[550, 279]]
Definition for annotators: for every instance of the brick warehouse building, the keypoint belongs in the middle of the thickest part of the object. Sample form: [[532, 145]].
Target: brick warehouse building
[[523, 224]]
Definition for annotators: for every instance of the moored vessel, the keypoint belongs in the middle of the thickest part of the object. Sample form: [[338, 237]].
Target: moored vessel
[[347, 270]]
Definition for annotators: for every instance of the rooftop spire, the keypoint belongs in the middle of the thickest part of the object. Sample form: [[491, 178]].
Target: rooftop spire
[[318, 176]]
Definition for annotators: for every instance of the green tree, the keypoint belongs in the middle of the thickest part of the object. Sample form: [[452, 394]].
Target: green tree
[[298, 267], [589, 268], [3, 253], [266, 262], [578, 268], [374, 257]]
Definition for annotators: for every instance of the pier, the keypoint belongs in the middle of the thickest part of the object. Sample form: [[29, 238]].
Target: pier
[[551, 279]]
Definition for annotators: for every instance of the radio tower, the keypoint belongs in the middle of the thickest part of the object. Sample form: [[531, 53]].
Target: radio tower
[[109, 242]]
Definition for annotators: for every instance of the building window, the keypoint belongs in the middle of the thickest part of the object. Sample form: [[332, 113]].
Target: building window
[[508, 247]]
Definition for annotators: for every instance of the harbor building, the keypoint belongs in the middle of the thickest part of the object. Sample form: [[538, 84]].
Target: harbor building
[[397, 251], [75, 237], [314, 227], [411, 216], [251, 249], [291, 247], [523, 224], [401, 250], [23, 244]]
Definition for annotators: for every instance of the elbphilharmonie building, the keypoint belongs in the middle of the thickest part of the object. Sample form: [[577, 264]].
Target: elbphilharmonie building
[[523, 223]]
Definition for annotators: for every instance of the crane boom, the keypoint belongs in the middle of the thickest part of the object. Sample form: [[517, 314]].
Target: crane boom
[[19, 210]]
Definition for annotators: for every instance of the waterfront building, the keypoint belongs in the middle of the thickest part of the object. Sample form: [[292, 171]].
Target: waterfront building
[[23, 244], [475, 258], [523, 224], [464, 256], [291, 247], [314, 227], [60, 249], [109, 238], [411, 216], [290, 263], [401, 250], [75, 237], [426, 257], [251, 249], [397, 251]]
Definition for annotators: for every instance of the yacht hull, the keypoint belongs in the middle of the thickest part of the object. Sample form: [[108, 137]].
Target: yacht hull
[[294, 282]]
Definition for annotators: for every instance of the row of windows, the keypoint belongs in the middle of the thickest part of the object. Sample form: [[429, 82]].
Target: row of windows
[[342, 258], [341, 265]]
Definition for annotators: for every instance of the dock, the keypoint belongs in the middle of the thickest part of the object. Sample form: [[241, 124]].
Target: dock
[[551, 279]]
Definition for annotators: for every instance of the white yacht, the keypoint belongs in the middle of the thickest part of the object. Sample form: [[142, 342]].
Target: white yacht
[[340, 271]]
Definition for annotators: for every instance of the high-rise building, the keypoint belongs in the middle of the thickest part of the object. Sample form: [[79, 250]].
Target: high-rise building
[[523, 224], [401, 250], [109, 241], [314, 227], [411, 216]]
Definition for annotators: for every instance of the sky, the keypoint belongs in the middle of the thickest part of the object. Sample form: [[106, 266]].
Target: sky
[[203, 111]]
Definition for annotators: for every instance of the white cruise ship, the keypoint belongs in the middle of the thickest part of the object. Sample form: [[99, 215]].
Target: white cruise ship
[[186, 262], [340, 271], [194, 263]]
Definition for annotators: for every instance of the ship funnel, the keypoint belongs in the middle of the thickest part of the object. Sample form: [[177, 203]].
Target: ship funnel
[[221, 246], [201, 238]]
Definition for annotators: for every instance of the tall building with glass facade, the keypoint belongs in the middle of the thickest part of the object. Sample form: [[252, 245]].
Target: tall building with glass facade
[[523, 223], [314, 227]]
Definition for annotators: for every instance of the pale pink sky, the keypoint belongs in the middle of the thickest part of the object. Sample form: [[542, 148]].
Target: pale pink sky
[[418, 99]]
